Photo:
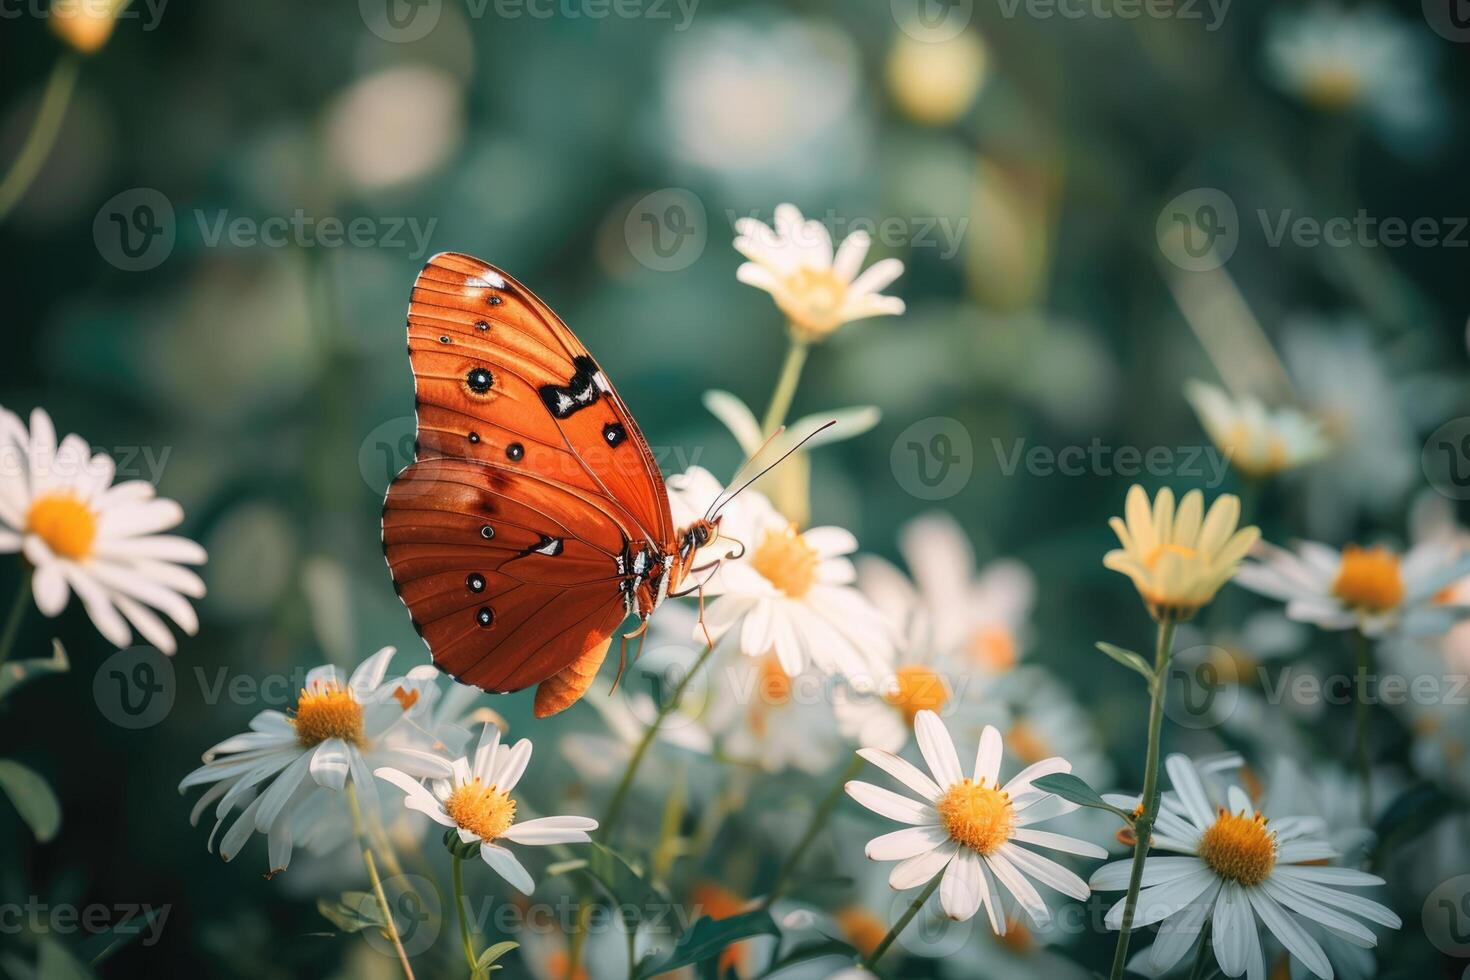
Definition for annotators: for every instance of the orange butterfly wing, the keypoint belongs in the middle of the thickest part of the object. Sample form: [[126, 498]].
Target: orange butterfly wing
[[507, 537]]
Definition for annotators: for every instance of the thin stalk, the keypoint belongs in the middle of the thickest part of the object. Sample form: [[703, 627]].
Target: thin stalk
[[1202, 954], [12, 621], [42, 137], [1362, 720], [871, 960], [819, 820], [389, 925], [464, 922], [785, 386], [1144, 826], [620, 795], [579, 938]]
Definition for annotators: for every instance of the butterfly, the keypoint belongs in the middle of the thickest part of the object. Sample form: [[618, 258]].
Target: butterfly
[[533, 519]]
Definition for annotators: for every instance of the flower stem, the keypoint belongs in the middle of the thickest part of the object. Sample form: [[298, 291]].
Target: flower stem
[[1362, 718], [464, 922], [12, 621], [42, 137], [620, 795], [389, 926], [1144, 826], [814, 827], [1202, 954], [871, 960], [785, 386]]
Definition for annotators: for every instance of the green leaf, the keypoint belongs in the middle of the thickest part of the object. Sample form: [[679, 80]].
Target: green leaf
[[56, 962], [18, 672], [1128, 659], [352, 911], [1075, 790], [1410, 814], [819, 950], [486, 961], [33, 799], [707, 938], [624, 885]]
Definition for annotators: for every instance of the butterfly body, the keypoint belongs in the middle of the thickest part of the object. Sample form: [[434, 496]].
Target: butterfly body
[[534, 518]]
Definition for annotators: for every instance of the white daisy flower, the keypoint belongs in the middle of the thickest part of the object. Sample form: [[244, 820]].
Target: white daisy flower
[[1239, 867], [1178, 559], [785, 590], [767, 718], [1258, 441], [1360, 59], [337, 733], [60, 509], [475, 801], [817, 289], [1372, 589], [970, 830]]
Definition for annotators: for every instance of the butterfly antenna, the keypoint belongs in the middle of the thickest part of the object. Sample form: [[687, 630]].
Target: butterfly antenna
[[782, 458], [716, 504]]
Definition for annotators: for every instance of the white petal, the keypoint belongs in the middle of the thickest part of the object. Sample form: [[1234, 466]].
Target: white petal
[[987, 757], [900, 845], [551, 830], [904, 771], [938, 749], [1290, 933], [922, 868], [505, 864], [959, 890], [889, 804], [330, 764]]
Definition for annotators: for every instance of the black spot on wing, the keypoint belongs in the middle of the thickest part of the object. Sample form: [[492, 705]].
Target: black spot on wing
[[547, 545], [563, 401], [614, 434]]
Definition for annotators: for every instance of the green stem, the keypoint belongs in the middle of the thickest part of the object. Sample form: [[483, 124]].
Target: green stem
[[785, 386], [12, 622], [42, 137], [1144, 826], [814, 827], [464, 922], [579, 938], [1362, 718], [620, 795], [389, 925], [871, 960], [1202, 954]]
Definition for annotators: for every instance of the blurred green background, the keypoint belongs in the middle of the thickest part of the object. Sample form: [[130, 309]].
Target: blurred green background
[[1023, 163]]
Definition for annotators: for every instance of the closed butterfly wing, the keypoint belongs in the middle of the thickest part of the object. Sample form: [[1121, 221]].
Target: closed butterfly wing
[[509, 536]]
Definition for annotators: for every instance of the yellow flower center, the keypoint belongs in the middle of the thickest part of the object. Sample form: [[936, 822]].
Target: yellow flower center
[[787, 561], [1369, 579], [775, 683], [813, 299], [559, 964], [1239, 848], [1027, 743], [1333, 87], [862, 929], [1159, 551], [993, 647], [66, 524], [485, 811], [917, 689], [1018, 938], [977, 816], [328, 711]]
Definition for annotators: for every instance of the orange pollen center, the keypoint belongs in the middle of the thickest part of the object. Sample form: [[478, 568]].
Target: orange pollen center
[[1239, 848], [862, 928], [994, 647], [327, 711], [1018, 938], [485, 811], [1369, 578], [1333, 87], [67, 525], [814, 298], [1159, 551], [916, 689], [787, 561], [559, 961], [775, 683], [977, 816]]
